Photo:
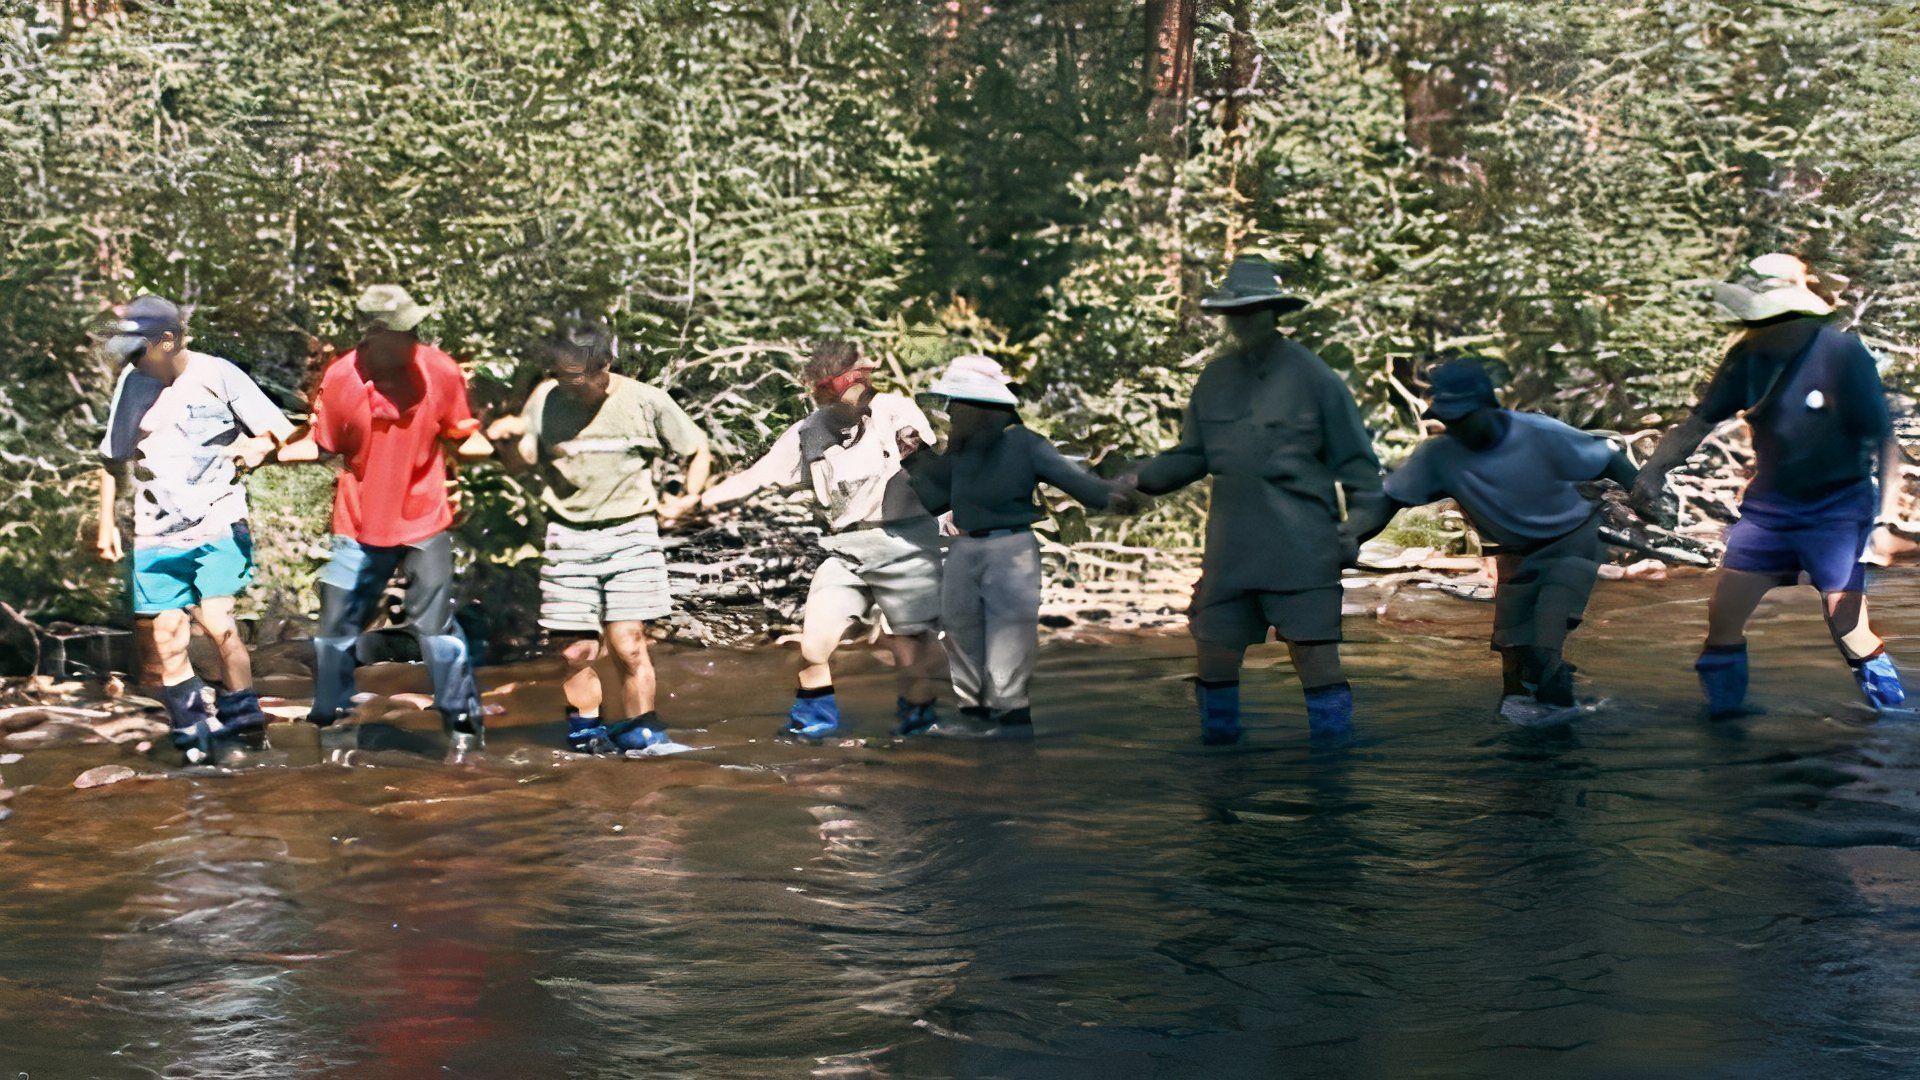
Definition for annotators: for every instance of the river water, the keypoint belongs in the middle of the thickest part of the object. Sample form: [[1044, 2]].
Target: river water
[[1645, 894]]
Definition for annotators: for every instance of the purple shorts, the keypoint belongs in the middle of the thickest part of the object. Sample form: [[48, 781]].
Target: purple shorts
[[1822, 539]]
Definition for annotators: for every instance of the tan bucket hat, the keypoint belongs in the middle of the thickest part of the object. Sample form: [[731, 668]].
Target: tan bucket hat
[[389, 307], [1778, 284]]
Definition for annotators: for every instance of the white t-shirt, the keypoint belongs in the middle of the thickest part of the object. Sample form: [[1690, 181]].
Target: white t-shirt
[[186, 490], [856, 480]]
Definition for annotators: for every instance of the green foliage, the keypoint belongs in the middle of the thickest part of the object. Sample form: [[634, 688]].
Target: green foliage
[[1545, 183]]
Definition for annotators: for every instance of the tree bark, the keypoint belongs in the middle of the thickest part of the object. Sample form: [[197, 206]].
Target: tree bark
[[1169, 58]]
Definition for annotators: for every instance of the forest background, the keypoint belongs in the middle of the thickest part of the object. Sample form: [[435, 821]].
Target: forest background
[[1049, 181]]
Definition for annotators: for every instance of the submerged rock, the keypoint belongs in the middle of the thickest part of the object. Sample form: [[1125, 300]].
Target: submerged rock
[[102, 775]]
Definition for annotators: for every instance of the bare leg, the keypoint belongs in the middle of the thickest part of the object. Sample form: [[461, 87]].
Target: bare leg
[[1847, 622], [819, 637], [167, 635], [215, 616], [1736, 593], [1318, 665], [582, 685], [1220, 663], [912, 657], [627, 642]]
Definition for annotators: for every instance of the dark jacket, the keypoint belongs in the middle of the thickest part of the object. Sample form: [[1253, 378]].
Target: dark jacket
[[989, 483]]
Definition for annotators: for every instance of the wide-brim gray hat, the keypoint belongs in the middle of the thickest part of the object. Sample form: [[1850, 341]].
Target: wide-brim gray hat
[[1252, 283]]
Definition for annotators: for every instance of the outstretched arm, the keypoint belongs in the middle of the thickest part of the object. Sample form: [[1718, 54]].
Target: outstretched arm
[[929, 472], [780, 467], [1050, 465], [1675, 447], [1175, 468], [1620, 470], [1368, 514]]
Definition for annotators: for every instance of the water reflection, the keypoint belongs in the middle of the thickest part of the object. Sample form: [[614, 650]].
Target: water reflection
[[1446, 895]]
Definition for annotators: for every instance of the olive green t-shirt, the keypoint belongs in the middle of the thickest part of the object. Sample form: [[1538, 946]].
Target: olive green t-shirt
[[595, 459]]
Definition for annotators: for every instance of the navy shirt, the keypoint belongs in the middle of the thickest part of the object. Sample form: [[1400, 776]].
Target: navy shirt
[[1517, 492], [1813, 397], [989, 483]]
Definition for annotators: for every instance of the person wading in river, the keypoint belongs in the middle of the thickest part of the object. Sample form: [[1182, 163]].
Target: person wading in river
[[388, 408], [186, 424], [883, 546], [1811, 394], [1283, 440], [1517, 477], [593, 435], [990, 586]]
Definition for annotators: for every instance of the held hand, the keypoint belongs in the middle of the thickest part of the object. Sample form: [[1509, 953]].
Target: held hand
[[1649, 491], [1126, 499], [303, 450], [107, 544], [1349, 549], [675, 509], [1882, 546], [474, 447], [908, 440], [507, 428], [247, 454]]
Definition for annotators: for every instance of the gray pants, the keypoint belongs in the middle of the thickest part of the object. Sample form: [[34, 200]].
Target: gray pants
[[990, 609]]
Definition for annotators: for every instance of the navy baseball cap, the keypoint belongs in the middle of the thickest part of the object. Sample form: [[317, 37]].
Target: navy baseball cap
[[1459, 387], [145, 319]]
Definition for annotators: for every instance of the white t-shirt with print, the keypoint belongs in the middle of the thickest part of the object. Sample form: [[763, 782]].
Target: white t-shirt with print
[[186, 489], [857, 480]]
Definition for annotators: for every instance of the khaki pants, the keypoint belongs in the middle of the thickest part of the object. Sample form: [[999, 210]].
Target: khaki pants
[[990, 609]]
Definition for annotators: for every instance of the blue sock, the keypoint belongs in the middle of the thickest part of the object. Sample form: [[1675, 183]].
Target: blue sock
[[586, 734], [815, 713], [1879, 680], [1219, 711], [639, 732], [1330, 709], [912, 717], [1723, 677]]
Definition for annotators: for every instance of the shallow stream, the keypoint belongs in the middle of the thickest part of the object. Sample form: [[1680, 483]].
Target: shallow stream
[[1645, 894]]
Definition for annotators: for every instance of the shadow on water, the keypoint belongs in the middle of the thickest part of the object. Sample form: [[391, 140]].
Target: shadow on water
[[1643, 893]]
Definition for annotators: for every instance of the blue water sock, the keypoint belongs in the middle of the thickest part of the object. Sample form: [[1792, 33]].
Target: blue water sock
[[239, 710], [1879, 681], [911, 718], [1330, 709], [814, 715], [586, 734], [190, 714], [1723, 677], [639, 732], [1219, 711]]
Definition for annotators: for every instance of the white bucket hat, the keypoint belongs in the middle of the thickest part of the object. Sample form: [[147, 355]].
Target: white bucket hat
[[975, 378], [1784, 286]]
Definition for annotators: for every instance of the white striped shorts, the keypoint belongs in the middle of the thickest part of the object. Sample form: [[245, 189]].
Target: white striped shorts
[[596, 576]]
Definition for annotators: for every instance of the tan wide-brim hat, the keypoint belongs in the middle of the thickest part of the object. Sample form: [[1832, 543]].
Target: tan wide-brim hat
[[389, 307], [1782, 285]]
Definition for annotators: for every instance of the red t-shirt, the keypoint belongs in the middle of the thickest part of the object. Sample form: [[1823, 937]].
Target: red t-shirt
[[393, 489]]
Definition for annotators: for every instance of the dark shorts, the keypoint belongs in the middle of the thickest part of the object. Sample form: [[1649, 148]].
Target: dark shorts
[[1238, 618], [1569, 564], [1823, 540]]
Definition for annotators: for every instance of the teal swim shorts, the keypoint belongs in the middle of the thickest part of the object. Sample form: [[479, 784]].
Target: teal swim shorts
[[168, 579]]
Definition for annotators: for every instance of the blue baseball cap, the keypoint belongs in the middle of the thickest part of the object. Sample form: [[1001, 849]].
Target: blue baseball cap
[[1459, 387], [144, 320]]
